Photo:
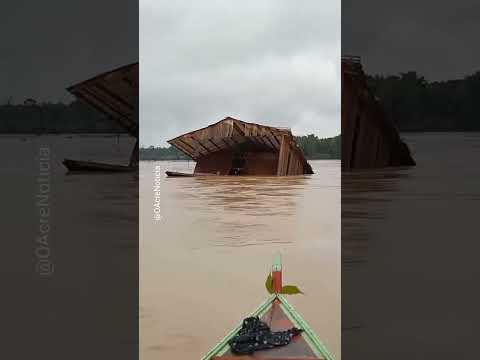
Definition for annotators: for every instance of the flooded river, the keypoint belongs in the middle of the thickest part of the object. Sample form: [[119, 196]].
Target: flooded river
[[203, 265], [88, 298], [410, 253], [405, 232]]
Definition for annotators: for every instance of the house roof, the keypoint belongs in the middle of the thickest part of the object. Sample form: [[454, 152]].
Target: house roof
[[114, 93], [227, 134]]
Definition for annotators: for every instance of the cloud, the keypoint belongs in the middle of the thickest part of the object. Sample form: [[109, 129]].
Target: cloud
[[273, 62], [47, 46], [431, 37]]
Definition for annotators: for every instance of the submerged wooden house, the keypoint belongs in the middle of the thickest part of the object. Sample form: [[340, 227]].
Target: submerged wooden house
[[235, 147], [369, 138], [115, 94]]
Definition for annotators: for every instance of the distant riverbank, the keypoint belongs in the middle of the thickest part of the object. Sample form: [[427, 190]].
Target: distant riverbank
[[54, 118], [415, 104]]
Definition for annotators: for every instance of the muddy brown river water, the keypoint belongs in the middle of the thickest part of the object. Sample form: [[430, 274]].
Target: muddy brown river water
[[204, 264]]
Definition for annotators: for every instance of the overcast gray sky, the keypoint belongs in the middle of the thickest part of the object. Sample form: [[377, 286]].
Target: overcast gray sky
[[46, 46], [438, 39], [275, 62]]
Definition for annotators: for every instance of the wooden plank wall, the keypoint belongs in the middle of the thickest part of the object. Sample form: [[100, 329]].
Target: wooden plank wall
[[369, 140], [218, 163], [283, 157], [261, 163], [276, 152], [289, 159]]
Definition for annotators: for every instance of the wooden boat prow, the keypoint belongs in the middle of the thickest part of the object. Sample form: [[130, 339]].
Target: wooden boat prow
[[280, 316]]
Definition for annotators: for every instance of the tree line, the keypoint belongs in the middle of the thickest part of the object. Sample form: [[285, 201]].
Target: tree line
[[317, 148], [312, 146], [415, 104], [54, 118], [411, 102]]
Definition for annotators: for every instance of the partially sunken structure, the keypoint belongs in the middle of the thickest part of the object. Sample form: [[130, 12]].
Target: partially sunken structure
[[369, 138], [235, 147], [115, 94]]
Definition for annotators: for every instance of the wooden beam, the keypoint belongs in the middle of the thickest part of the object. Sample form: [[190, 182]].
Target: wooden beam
[[233, 140], [214, 144], [275, 140], [257, 140], [114, 96], [130, 82], [226, 143], [238, 128], [270, 136], [187, 145], [181, 148], [288, 162], [261, 139], [105, 107], [199, 143], [250, 139], [270, 142], [283, 156]]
